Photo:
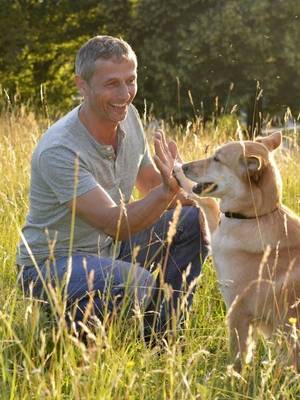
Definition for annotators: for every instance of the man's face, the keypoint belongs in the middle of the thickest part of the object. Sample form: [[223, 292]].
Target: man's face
[[111, 89]]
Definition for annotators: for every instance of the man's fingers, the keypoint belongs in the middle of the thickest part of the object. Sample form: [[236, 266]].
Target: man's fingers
[[164, 140], [161, 167], [157, 134], [159, 152], [168, 179], [173, 149], [160, 134], [179, 158], [166, 152]]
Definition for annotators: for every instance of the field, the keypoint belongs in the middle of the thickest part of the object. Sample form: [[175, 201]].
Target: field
[[40, 360]]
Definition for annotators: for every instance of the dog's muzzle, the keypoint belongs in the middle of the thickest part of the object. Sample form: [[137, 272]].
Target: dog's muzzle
[[206, 187]]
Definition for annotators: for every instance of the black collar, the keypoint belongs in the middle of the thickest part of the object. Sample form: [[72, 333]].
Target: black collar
[[229, 214]]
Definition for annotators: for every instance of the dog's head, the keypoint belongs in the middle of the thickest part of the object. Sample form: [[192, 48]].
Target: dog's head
[[242, 174]]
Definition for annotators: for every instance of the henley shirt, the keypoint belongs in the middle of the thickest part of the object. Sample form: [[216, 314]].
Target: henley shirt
[[67, 163]]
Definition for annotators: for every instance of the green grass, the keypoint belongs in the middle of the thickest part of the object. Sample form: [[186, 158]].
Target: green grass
[[39, 360]]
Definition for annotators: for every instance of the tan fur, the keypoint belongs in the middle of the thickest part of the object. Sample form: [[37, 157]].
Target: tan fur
[[209, 206], [257, 259]]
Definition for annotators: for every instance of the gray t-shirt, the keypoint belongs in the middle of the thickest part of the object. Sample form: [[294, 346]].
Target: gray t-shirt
[[67, 163]]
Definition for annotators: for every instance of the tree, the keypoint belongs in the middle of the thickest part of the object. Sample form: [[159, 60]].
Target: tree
[[44, 38], [190, 52], [211, 46]]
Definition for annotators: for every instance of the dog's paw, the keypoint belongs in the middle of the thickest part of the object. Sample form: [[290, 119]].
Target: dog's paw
[[183, 181]]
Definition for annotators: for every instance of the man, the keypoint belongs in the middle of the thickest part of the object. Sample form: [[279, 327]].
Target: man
[[82, 229]]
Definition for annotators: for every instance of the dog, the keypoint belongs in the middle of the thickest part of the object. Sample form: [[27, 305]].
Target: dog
[[255, 244]]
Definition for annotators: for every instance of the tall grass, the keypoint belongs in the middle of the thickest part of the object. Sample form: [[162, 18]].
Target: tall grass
[[40, 360]]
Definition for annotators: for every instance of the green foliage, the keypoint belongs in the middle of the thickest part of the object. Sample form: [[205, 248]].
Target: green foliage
[[208, 45], [190, 52], [40, 40]]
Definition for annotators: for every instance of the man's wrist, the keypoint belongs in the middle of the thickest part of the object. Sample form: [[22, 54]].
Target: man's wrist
[[169, 193]]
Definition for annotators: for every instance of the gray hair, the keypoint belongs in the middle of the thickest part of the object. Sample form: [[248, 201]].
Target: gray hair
[[105, 47]]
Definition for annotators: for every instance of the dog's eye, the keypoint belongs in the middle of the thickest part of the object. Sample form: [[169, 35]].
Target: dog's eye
[[216, 159]]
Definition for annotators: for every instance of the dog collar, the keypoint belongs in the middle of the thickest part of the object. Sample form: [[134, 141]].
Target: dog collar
[[229, 214]]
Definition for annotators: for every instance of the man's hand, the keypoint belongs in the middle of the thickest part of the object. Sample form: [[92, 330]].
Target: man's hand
[[165, 157], [97, 208]]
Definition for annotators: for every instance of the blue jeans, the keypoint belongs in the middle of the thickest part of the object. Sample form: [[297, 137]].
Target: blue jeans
[[107, 283]]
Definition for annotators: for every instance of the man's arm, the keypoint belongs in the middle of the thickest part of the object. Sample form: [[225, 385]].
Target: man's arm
[[149, 178], [98, 209]]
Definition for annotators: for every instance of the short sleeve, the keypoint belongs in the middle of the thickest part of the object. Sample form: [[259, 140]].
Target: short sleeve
[[65, 173]]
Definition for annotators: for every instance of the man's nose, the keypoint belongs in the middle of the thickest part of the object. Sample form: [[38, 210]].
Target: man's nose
[[124, 92]]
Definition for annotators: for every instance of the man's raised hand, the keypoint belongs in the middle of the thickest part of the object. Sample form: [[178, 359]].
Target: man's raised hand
[[165, 157]]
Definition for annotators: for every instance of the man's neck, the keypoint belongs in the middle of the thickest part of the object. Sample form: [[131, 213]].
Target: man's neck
[[103, 131]]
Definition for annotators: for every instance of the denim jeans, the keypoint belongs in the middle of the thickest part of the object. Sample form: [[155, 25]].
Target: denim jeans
[[110, 282]]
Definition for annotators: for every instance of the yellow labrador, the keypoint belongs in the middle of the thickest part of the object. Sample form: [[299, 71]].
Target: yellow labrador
[[256, 245]]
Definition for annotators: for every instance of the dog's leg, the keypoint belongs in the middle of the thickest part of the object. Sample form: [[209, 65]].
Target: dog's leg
[[211, 210], [239, 333]]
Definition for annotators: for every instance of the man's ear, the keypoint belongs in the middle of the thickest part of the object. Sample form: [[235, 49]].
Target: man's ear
[[251, 167], [80, 84], [272, 141]]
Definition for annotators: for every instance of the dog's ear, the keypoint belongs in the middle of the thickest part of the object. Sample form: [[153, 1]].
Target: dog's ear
[[272, 141], [251, 167]]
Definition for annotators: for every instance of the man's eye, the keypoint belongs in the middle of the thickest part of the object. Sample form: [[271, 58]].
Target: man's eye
[[131, 82], [216, 159]]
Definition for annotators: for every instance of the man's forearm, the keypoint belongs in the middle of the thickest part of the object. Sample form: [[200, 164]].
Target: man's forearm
[[139, 215], [97, 208]]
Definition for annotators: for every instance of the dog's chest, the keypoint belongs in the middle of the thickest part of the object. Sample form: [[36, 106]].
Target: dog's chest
[[228, 276], [232, 266]]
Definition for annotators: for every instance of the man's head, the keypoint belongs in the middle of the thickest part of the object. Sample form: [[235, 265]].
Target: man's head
[[106, 76], [101, 47]]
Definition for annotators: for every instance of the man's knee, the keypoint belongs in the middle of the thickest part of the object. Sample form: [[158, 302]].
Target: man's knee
[[189, 218]]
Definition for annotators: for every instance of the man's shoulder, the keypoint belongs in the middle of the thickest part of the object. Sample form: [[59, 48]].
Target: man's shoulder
[[60, 133], [132, 123], [133, 114], [133, 111]]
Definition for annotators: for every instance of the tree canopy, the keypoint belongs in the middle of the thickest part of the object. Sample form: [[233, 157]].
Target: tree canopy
[[190, 52]]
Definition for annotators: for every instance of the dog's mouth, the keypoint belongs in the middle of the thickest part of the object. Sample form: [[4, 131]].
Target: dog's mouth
[[205, 188]]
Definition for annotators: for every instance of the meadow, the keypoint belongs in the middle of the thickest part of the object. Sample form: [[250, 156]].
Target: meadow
[[39, 359]]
